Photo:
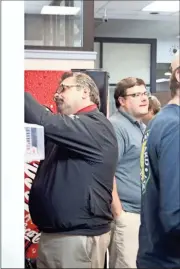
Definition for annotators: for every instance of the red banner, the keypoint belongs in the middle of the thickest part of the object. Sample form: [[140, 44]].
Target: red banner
[[42, 85], [32, 234]]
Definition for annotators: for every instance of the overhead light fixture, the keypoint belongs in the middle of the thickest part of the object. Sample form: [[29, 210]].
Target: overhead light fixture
[[162, 80], [162, 6], [59, 10], [167, 74]]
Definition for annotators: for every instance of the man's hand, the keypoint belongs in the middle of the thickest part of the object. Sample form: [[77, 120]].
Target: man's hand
[[116, 204]]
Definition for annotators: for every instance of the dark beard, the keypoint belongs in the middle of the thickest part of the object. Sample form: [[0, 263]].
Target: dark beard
[[63, 108], [59, 103]]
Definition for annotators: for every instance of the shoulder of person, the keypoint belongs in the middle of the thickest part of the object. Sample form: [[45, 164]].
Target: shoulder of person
[[117, 121], [96, 120]]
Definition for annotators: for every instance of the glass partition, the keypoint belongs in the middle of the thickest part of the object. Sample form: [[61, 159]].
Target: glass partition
[[162, 77], [54, 23], [112, 107], [127, 59]]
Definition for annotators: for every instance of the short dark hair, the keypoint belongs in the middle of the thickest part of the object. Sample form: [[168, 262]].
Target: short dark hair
[[123, 85], [154, 104]]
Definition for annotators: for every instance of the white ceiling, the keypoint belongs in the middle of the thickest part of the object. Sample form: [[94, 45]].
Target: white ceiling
[[34, 7], [130, 10], [125, 18]]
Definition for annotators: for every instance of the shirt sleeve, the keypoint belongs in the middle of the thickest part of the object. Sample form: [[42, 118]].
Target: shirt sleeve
[[74, 132], [169, 182]]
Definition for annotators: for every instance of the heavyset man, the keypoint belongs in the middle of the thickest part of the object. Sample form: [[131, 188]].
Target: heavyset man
[[70, 199]]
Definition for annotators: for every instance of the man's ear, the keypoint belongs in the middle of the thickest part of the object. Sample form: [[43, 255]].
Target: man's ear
[[177, 75], [151, 112], [86, 93], [121, 101]]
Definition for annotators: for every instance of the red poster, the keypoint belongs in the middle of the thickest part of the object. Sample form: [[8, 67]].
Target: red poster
[[42, 85], [32, 234]]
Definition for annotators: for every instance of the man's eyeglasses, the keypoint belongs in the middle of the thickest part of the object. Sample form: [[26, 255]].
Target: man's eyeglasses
[[137, 94], [64, 87]]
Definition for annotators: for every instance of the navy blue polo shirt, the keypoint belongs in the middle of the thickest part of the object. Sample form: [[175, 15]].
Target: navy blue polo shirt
[[159, 236]]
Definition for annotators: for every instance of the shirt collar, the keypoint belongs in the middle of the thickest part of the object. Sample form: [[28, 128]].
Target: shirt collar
[[128, 116], [87, 109], [140, 124]]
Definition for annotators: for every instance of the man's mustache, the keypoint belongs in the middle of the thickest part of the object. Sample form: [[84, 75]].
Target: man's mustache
[[58, 100]]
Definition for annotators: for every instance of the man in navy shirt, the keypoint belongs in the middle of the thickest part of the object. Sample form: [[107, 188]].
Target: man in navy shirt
[[159, 236]]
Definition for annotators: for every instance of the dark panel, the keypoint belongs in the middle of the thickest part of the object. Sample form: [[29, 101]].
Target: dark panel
[[88, 25], [124, 40], [101, 55], [153, 66]]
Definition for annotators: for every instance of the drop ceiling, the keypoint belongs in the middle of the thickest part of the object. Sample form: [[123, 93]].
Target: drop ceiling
[[129, 10], [114, 9], [34, 7]]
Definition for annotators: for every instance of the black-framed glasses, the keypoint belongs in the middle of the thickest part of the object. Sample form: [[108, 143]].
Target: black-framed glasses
[[64, 87], [137, 94]]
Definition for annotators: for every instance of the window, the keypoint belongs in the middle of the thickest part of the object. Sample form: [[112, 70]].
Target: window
[[112, 106], [126, 60], [54, 30], [162, 77]]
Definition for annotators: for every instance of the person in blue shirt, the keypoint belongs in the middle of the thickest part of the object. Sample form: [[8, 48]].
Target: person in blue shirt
[[159, 235]]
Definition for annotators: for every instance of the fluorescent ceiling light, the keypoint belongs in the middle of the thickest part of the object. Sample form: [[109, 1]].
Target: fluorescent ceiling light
[[59, 10], [162, 80], [162, 6], [167, 74]]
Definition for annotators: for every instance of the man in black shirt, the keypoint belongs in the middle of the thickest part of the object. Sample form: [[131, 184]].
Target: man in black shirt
[[70, 199]]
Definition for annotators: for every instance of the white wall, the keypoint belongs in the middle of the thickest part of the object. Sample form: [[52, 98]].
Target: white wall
[[126, 60], [164, 49], [58, 60], [44, 64], [164, 31]]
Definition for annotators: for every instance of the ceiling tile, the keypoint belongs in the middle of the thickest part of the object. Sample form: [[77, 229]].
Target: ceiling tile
[[99, 4], [115, 11], [127, 5], [34, 7]]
